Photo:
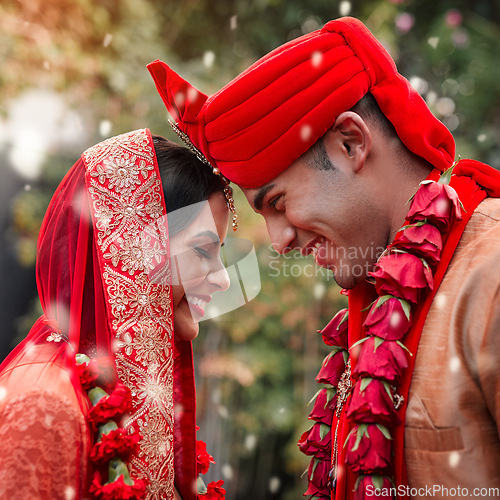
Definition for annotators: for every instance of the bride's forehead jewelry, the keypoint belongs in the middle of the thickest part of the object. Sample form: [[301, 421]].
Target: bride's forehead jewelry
[[228, 191]]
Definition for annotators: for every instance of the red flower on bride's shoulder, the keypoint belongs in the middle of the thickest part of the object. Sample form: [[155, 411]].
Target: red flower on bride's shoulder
[[88, 374], [215, 491], [112, 406], [436, 202], [108, 377], [117, 490], [203, 458], [97, 372], [403, 275], [117, 443]]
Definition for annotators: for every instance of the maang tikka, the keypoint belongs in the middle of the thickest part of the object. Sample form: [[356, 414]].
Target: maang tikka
[[228, 191]]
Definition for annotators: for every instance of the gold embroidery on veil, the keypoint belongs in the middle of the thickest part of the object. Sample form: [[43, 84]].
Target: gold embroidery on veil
[[132, 242]]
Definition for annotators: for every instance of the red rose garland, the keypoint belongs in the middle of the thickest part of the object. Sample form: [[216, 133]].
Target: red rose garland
[[113, 446], [214, 490], [319, 444], [402, 278], [203, 458]]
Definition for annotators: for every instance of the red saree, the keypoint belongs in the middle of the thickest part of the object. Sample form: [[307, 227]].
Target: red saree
[[103, 280]]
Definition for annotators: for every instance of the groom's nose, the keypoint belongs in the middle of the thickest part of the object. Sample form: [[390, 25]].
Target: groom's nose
[[282, 235]]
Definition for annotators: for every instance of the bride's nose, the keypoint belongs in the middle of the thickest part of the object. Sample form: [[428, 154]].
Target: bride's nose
[[219, 277]]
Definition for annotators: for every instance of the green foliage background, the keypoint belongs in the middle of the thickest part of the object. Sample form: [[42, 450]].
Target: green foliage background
[[78, 69]]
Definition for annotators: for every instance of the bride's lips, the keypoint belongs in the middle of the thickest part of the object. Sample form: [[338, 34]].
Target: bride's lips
[[197, 303]]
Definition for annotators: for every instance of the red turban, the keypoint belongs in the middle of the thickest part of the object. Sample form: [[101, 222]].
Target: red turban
[[266, 118]]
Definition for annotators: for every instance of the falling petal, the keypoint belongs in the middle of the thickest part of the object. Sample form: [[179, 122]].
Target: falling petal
[[227, 472], [208, 59], [454, 364], [305, 132], [454, 459], [345, 8], [433, 41], [274, 484]]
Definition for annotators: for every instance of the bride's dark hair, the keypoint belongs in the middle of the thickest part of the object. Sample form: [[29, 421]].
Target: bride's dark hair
[[186, 181]]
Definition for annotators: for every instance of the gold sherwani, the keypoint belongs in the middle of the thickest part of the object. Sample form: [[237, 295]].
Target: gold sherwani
[[452, 439]]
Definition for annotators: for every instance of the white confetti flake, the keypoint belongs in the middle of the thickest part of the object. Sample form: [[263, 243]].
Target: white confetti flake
[[305, 132], [319, 291], [440, 301], [223, 412], [454, 459], [179, 98], [395, 320], [274, 484], [192, 94], [454, 364], [105, 128], [227, 472], [208, 59], [345, 8], [433, 41], [250, 442], [316, 59], [69, 493], [108, 38]]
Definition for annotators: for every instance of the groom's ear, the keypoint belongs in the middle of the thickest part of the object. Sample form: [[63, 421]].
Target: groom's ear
[[182, 100], [352, 138]]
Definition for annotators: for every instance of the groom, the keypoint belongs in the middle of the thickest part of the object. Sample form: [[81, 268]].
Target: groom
[[329, 142]]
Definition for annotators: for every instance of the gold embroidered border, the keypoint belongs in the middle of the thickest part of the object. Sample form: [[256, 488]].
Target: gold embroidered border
[[126, 202]]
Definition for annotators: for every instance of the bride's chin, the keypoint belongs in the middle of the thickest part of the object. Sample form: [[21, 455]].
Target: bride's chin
[[185, 331], [184, 326]]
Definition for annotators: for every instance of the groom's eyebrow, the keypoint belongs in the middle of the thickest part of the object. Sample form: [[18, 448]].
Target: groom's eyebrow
[[261, 193]]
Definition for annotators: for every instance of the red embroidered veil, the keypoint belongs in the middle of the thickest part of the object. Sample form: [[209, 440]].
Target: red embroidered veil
[[103, 280]]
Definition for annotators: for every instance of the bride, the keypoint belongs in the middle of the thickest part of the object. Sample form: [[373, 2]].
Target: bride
[[98, 401]]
